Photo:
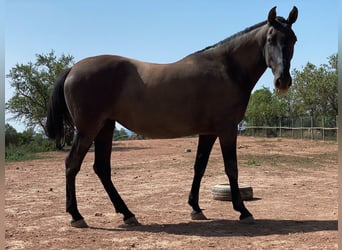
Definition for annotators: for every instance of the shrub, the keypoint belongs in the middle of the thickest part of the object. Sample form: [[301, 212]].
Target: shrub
[[28, 144]]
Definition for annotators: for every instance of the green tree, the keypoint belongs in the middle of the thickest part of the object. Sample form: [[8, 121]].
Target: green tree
[[27, 136], [314, 90], [313, 93], [120, 135], [32, 84], [11, 135], [264, 108]]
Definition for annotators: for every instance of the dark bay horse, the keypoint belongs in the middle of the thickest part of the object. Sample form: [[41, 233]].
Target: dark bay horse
[[205, 93]]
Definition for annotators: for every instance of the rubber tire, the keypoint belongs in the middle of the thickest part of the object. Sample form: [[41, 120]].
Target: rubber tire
[[222, 192]]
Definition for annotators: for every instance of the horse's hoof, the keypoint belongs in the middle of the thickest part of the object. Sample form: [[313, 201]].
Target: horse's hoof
[[132, 222], [248, 220], [198, 216], [79, 223]]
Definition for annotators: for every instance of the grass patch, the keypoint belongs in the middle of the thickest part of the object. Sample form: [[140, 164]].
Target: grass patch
[[252, 163], [27, 151], [14, 153], [308, 161]]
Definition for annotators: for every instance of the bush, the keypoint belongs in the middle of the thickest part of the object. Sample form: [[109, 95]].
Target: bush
[[25, 145], [18, 153]]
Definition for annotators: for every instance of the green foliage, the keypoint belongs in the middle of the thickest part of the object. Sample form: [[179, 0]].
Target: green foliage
[[135, 136], [264, 107], [14, 153], [313, 93], [27, 151], [32, 83], [253, 163], [11, 135], [25, 145], [120, 135], [123, 134]]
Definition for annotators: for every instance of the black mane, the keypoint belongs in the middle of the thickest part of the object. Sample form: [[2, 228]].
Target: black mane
[[282, 22], [233, 36]]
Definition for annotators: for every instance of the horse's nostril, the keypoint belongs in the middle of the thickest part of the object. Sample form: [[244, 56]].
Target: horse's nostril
[[277, 83]]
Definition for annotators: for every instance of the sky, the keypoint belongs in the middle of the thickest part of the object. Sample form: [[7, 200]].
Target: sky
[[155, 30]]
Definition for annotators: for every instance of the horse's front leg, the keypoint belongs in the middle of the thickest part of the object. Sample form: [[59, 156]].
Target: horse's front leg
[[228, 147], [205, 144]]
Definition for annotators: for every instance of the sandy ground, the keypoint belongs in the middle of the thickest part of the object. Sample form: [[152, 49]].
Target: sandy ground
[[294, 184]]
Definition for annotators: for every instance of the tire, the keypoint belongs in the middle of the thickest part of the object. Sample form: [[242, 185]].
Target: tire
[[222, 192]]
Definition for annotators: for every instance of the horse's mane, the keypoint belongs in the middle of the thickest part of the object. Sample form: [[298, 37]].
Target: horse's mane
[[238, 34]]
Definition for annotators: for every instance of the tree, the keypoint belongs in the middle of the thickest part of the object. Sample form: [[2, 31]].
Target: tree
[[32, 83], [120, 135], [11, 135], [313, 93], [264, 108], [315, 89]]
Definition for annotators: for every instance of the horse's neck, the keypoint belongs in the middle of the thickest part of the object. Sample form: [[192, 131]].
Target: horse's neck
[[244, 54]]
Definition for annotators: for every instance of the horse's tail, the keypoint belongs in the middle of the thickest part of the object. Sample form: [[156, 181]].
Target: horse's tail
[[58, 115]]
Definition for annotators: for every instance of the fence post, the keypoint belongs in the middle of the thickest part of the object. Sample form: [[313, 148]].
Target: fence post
[[265, 126], [311, 131], [306, 130], [301, 128], [253, 128], [323, 127], [336, 126]]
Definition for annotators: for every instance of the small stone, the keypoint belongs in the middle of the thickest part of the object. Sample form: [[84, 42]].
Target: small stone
[[211, 244]]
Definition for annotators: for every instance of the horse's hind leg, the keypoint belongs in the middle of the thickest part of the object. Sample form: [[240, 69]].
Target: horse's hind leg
[[72, 167], [103, 149]]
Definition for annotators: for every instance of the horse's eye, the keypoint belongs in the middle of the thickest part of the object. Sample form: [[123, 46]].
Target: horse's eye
[[271, 40]]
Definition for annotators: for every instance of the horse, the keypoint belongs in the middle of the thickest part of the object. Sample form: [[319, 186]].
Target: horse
[[205, 93]]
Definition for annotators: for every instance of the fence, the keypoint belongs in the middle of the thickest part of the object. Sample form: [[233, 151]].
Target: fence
[[322, 128]]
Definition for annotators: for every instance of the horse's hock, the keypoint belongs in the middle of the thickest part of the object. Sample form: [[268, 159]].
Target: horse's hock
[[222, 192]]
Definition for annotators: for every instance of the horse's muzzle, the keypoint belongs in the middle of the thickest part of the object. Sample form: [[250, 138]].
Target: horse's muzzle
[[282, 84]]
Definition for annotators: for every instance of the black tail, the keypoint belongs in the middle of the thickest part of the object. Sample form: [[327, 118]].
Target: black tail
[[58, 115]]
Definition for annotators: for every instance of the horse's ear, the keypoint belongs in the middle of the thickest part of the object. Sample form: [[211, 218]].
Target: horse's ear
[[272, 15], [293, 15]]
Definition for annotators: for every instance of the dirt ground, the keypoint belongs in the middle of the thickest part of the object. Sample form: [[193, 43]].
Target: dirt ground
[[294, 184]]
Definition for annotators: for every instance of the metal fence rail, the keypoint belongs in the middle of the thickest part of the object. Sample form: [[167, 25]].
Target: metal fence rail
[[322, 128]]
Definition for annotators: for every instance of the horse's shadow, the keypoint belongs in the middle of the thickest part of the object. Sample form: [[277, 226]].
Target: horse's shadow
[[226, 228]]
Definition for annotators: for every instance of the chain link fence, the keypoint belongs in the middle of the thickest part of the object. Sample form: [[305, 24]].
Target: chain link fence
[[320, 128]]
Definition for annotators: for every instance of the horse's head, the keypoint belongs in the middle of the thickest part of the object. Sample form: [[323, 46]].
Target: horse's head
[[278, 49]]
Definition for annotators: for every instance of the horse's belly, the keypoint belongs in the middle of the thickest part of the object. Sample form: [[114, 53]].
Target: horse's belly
[[164, 124]]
